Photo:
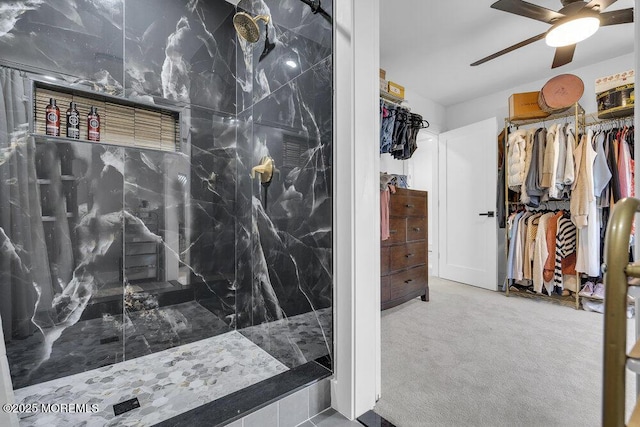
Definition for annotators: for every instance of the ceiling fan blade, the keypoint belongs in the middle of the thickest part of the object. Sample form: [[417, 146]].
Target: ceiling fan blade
[[510, 48], [615, 17], [528, 10], [603, 4], [563, 55]]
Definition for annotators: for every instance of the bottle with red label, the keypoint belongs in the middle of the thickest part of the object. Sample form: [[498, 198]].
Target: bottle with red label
[[73, 122], [52, 119], [93, 125]]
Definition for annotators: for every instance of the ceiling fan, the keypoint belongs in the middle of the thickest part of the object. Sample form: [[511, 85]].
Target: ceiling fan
[[576, 21]]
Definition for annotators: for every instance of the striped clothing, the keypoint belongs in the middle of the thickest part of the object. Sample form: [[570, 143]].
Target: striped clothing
[[565, 246]]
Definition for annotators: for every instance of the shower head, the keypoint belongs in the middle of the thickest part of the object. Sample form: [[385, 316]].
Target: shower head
[[247, 26]]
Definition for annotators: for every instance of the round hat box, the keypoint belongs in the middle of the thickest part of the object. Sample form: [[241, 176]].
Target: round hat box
[[560, 93]]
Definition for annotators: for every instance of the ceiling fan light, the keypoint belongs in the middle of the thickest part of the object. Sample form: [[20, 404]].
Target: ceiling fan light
[[572, 31]]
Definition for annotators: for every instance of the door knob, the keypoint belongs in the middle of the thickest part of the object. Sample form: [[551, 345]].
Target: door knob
[[489, 214]]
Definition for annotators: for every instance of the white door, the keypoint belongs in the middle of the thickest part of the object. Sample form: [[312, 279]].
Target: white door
[[467, 194], [422, 174]]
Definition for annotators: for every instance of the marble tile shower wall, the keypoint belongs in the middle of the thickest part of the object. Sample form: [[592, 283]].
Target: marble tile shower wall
[[247, 262], [284, 230]]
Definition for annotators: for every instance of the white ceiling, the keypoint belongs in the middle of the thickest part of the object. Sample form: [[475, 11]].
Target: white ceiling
[[427, 45]]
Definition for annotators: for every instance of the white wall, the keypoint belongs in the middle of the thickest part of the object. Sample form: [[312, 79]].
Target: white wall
[[496, 104], [356, 384]]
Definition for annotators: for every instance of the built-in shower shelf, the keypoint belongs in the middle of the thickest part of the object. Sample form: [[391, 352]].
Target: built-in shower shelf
[[53, 218], [46, 139], [62, 178], [123, 122]]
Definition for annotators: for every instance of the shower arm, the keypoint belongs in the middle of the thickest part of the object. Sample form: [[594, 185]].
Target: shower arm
[[316, 8]]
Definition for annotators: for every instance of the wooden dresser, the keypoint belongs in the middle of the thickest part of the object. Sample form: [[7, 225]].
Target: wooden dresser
[[403, 257]]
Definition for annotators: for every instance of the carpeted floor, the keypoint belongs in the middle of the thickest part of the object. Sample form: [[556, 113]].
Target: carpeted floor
[[472, 357]]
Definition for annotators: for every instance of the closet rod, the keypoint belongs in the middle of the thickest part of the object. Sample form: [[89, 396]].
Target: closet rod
[[595, 121], [397, 104]]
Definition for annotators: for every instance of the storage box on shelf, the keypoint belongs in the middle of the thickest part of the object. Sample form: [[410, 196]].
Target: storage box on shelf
[[396, 90], [384, 85], [615, 95], [524, 106]]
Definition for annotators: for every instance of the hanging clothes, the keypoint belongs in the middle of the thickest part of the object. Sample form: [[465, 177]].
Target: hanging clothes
[[582, 189], [564, 269], [533, 182], [550, 163], [387, 122], [601, 172], [405, 132], [512, 223], [516, 157], [585, 214], [540, 255]]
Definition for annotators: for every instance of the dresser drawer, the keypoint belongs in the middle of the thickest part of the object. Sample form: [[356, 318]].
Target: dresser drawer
[[397, 231], [384, 260], [408, 255], [403, 205], [408, 281], [385, 289], [416, 229]]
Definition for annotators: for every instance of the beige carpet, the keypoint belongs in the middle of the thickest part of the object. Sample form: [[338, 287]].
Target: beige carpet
[[472, 357]]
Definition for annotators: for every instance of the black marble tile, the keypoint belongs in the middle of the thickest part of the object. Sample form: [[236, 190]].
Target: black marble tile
[[219, 297], [291, 235], [295, 15], [78, 257], [76, 38], [81, 347], [244, 276], [212, 139], [211, 249], [182, 51], [151, 328], [243, 402], [295, 340], [156, 214], [291, 55], [371, 419]]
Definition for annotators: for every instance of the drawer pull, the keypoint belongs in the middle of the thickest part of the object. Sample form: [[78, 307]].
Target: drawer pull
[[408, 281], [409, 206], [416, 229], [409, 255], [393, 231]]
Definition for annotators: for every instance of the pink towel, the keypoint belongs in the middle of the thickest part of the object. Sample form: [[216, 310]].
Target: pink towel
[[385, 197]]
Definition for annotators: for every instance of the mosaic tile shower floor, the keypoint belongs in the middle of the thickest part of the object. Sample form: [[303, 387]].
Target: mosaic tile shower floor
[[166, 383]]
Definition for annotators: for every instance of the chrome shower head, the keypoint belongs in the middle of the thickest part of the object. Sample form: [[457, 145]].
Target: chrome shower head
[[247, 26]]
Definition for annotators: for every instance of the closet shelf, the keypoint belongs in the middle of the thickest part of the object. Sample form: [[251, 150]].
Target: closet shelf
[[567, 301], [571, 112], [390, 97]]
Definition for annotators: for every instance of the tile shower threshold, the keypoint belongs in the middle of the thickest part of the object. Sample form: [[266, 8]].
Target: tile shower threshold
[[243, 402], [175, 381]]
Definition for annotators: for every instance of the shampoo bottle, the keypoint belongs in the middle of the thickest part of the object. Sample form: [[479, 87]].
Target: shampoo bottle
[[52, 119], [73, 122], [93, 125]]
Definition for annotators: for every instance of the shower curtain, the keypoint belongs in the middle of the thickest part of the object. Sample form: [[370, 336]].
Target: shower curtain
[[24, 260]]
